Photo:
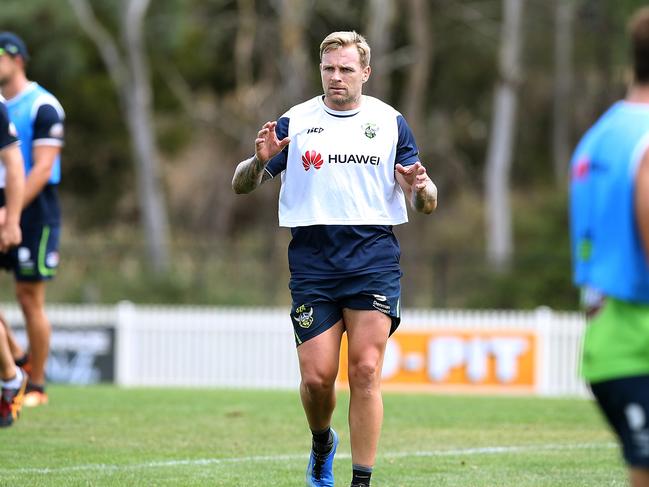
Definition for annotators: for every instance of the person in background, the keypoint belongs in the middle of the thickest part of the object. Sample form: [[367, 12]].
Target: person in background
[[348, 163], [609, 220], [38, 118], [12, 184]]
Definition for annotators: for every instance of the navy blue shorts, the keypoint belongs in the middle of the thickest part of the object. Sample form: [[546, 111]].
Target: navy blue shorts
[[318, 302], [625, 403], [37, 256]]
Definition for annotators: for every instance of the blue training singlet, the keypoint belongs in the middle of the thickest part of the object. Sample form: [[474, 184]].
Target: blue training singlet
[[607, 252], [39, 118]]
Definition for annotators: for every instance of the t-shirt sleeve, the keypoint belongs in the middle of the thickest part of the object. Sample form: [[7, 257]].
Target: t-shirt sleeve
[[48, 126], [278, 163], [407, 152], [7, 130]]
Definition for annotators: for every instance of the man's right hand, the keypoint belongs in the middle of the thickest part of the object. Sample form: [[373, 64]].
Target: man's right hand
[[10, 236], [267, 145]]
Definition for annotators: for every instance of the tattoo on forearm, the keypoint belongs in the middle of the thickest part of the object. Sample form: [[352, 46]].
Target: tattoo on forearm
[[248, 175]]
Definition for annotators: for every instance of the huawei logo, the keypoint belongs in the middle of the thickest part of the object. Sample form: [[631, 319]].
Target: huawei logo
[[312, 158]]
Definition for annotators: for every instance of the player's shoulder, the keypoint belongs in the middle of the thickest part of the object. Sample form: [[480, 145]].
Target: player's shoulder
[[45, 98], [28, 102], [302, 109], [382, 113], [375, 104]]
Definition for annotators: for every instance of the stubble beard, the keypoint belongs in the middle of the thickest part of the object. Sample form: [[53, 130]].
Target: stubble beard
[[342, 101]]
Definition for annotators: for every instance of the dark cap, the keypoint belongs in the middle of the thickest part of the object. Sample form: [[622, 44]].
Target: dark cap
[[14, 45]]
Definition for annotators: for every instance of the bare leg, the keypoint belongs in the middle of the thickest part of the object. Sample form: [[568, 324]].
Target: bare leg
[[31, 296], [7, 366], [16, 350], [367, 332], [639, 477], [319, 359]]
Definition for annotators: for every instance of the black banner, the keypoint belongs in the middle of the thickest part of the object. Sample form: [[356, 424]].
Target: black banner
[[79, 355]]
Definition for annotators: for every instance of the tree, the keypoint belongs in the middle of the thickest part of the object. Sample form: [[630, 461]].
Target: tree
[[130, 75], [418, 80], [245, 42], [501, 143], [378, 27], [294, 18], [561, 140]]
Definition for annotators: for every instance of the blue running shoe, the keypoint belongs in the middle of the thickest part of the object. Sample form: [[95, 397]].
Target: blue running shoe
[[320, 471]]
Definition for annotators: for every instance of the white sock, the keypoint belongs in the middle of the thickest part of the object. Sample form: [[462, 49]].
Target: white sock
[[15, 382]]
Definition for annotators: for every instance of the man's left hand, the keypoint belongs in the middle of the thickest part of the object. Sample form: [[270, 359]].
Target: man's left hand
[[419, 187]]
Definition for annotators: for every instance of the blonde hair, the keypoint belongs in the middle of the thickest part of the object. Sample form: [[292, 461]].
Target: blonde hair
[[336, 40]]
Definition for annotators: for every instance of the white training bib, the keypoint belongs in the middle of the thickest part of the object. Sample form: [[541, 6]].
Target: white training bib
[[340, 166]]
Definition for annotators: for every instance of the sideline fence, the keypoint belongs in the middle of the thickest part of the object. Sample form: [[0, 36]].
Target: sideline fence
[[470, 351]]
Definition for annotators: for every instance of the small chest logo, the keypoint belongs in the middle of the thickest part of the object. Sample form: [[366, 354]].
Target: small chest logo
[[303, 315], [581, 169], [314, 130], [311, 158], [370, 130]]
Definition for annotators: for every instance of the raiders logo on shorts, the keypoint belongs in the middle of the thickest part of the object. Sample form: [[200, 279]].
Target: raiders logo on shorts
[[303, 315]]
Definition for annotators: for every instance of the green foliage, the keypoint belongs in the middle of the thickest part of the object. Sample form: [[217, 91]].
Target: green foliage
[[541, 272], [95, 270], [102, 435], [444, 258], [191, 46], [534, 280], [443, 264]]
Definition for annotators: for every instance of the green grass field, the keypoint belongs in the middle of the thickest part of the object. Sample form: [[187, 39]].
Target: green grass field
[[105, 436]]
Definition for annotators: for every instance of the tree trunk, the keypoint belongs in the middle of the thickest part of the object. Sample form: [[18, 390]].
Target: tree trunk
[[133, 85], [417, 84], [378, 27], [140, 117], [412, 105], [563, 82], [297, 72], [244, 43], [499, 155]]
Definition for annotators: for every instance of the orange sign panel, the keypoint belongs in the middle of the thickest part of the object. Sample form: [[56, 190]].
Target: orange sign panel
[[457, 359]]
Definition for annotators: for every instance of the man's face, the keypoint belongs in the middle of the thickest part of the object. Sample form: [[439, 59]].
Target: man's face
[[8, 67], [343, 77]]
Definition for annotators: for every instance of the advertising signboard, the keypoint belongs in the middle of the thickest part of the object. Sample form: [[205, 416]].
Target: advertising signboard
[[491, 360]]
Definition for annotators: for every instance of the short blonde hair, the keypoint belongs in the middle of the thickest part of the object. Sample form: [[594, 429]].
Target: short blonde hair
[[336, 40]]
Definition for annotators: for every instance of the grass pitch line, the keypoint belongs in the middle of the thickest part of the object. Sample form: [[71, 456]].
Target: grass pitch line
[[488, 450]]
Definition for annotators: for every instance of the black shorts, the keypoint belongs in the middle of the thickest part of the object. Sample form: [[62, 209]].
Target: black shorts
[[7, 262], [625, 403], [318, 302], [37, 256]]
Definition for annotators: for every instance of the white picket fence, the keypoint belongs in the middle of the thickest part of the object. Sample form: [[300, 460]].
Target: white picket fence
[[254, 347]]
